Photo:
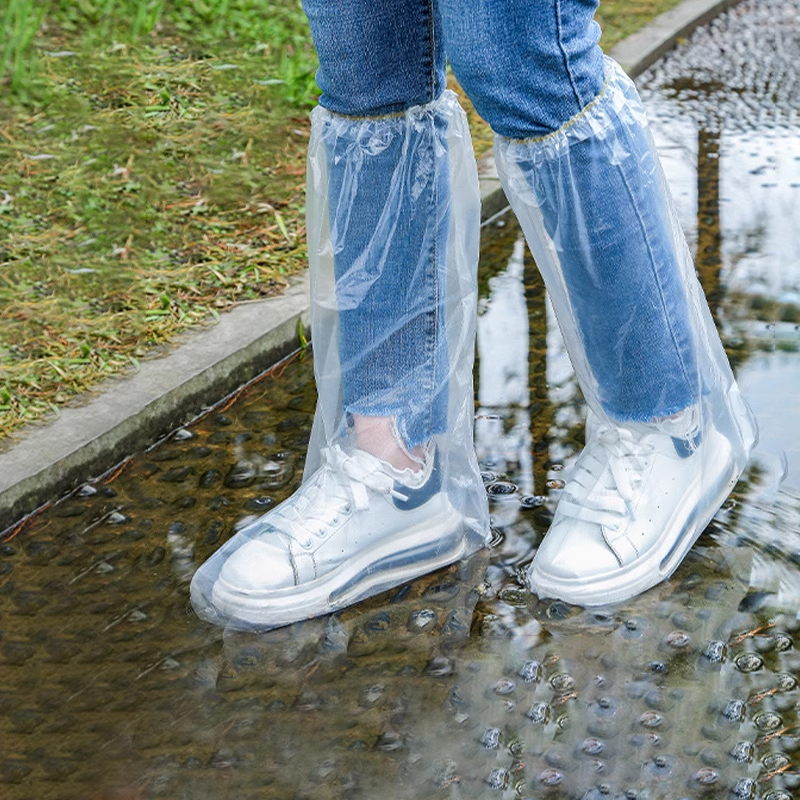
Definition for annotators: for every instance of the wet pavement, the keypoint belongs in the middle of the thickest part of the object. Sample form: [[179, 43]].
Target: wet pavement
[[461, 684]]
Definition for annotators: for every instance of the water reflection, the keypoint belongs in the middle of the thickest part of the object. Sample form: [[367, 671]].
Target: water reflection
[[461, 684], [725, 117]]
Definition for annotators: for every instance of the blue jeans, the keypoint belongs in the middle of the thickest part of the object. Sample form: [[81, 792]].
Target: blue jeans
[[530, 67]]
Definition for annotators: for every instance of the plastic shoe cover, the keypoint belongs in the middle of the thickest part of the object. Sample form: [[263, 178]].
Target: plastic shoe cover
[[393, 214], [637, 500], [354, 528], [596, 211]]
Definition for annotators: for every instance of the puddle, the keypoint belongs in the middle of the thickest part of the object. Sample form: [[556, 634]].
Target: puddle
[[461, 684]]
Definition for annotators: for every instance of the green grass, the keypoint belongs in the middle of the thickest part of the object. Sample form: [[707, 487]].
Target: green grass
[[620, 18], [148, 181], [277, 31], [19, 22], [151, 177]]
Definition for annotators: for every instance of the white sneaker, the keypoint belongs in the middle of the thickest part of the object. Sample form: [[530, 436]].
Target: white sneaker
[[639, 498], [355, 528]]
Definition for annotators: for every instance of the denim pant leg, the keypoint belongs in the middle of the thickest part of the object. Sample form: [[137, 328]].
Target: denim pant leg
[[381, 72], [534, 71], [598, 188]]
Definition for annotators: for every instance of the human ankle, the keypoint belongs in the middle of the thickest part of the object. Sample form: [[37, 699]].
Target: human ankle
[[379, 437], [684, 424]]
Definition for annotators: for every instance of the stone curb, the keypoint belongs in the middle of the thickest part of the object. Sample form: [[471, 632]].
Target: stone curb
[[131, 413], [642, 49]]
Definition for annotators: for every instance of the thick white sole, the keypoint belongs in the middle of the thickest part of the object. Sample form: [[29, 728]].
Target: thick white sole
[[390, 562]]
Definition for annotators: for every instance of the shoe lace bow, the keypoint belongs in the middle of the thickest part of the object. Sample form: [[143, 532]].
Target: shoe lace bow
[[607, 478], [340, 486]]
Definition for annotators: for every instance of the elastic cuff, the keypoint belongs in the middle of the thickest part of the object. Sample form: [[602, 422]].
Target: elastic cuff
[[442, 102], [616, 98]]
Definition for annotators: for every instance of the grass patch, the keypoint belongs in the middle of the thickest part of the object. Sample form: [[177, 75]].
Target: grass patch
[[151, 176], [147, 183], [621, 18]]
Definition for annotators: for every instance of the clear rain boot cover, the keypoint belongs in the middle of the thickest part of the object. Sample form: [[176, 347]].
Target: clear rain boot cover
[[393, 214], [597, 214], [595, 208]]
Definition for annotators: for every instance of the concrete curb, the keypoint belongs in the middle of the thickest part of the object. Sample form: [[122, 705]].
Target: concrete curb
[[642, 49], [131, 413]]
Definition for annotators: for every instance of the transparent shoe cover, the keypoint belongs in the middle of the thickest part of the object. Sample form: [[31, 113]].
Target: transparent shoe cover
[[393, 213], [668, 434], [597, 214]]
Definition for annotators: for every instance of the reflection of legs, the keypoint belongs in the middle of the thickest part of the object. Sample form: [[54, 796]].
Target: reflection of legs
[[580, 171], [377, 506]]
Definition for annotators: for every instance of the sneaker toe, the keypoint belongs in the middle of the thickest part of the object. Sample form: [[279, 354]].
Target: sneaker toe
[[574, 551], [258, 566]]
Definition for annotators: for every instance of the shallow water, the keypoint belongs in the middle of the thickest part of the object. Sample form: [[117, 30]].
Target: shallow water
[[461, 684]]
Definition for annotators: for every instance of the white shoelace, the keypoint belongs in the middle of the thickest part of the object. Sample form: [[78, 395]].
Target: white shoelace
[[341, 486], [607, 478]]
